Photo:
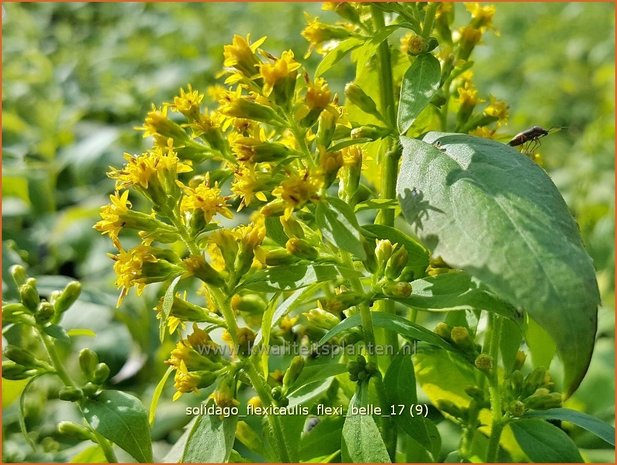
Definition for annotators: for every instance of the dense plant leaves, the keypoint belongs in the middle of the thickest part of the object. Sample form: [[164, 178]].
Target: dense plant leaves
[[454, 291], [592, 424], [418, 256], [420, 83], [543, 442], [401, 393], [497, 215], [391, 322], [338, 224], [210, 440], [122, 419], [361, 438]]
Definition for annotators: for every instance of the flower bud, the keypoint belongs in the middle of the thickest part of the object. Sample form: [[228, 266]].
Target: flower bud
[[245, 434], [356, 95], [88, 360], [460, 336], [383, 251], [101, 373], [274, 208], [516, 408], [519, 359], [15, 371], [542, 399], [301, 249], [75, 431], [475, 393], [413, 44], [326, 127], [443, 330], [484, 362], [14, 312], [396, 263], [68, 297], [246, 108], [91, 390], [534, 380], [470, 37], [369, 131], [22, 357], [342, 301], [252, 304], [370, 262], [44, 313], [292, 227], [321, 319], [279, 256], [70, 393], [18, 273], [516, 382], [246, 337], [408, 274], [330, 164], [29, 295], [396, 289], [295, 368], [199, 267]]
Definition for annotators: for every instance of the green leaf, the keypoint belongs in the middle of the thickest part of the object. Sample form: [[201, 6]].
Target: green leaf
[[361, 438], [91, 454], [122, 419], [57, 332], [275, 231], [592, 424], [543, 442], [168, 301], [376, 204], [418, 254], [511, 336], [338, 225], [541, 346], [497, 215], [323, 438], [401, 382], [454, 291], [210, 440], [420, 83], [337, 54], [318, 370], [391, 322], [158, 390]]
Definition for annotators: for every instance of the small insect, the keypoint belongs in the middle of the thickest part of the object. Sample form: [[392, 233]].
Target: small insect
[[530, 138]]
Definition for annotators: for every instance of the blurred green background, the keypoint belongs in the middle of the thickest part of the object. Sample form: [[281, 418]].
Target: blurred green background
[[77, 78]]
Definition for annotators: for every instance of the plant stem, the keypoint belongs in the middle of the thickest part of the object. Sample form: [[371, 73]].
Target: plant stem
[[264, 394], [230, 319], [108, 450], [429, 18], [498, 422], [386, 82]]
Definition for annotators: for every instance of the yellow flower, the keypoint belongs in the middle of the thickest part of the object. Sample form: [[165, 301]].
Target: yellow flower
[[484, 132], [128, 269], [318, 95], [188, 102], [111, 215], [481, 15], [205, 198], [297, 189], [282, 69], [412, 43], [467, 95], [161, 164], [184, 381], [249, 183], [241, 55], [497, 109]]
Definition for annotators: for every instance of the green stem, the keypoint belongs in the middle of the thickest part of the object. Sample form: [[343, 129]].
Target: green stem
[[261, 387], [230, 319], [386, 81], [108, 450], [429, 18], [184, 234], [498, 422]]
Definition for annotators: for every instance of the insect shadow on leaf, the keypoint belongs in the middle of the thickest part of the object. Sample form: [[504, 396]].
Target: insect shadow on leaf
[[416, 208]]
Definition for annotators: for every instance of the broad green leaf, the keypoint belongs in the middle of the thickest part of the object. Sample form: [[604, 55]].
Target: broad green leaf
[[361, 438], [318, 370], [443, 376], [274, 230], [392, 322], [210, 440], [122, 419], [592, 424], [543, 442], [11, 390], [401, 391], [376, 204], [420, 83], [541, 346], [338, 225], [337, 54], [418, 255], [454, 291], [497, 215], [168, 301], [323, 438], [158, 390], [292, 277]]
